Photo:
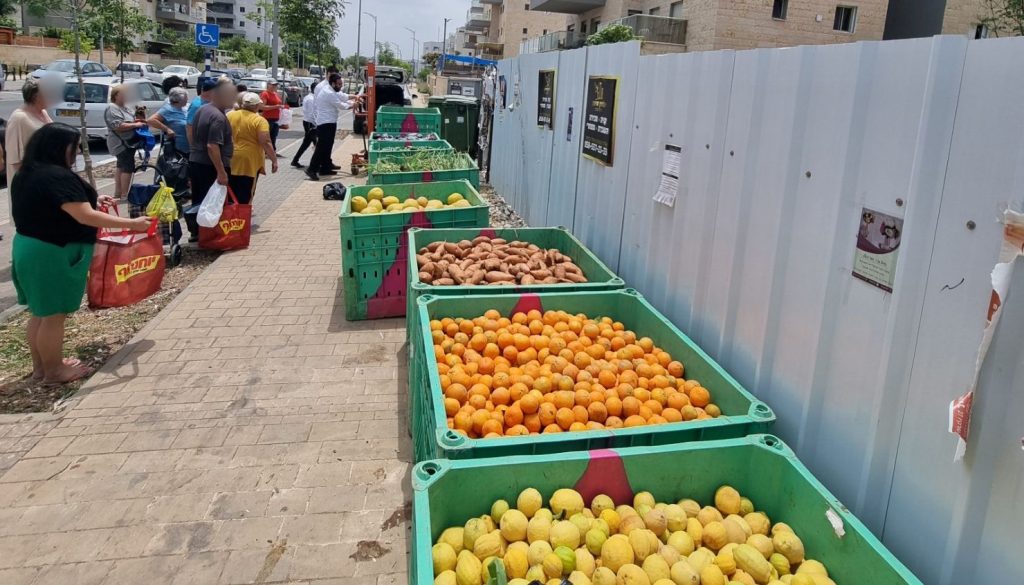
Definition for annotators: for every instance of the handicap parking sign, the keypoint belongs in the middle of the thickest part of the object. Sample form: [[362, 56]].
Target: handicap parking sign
[[208, 35]]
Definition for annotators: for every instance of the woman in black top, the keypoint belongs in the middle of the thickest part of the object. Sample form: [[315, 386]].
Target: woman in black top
[[55, 216]]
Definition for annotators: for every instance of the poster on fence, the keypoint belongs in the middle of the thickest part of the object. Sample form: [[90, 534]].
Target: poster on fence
[[546, 98], [878, 247], [668, 187], [599, 119]]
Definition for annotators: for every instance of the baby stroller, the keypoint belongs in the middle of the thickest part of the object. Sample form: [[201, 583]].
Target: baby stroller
[[171, 167]]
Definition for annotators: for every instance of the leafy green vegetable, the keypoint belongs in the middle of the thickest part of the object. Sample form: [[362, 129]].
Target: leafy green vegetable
[[422, 160], [613, 33]]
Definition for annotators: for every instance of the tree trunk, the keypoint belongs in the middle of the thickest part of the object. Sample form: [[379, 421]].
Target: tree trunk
[[86, 157]]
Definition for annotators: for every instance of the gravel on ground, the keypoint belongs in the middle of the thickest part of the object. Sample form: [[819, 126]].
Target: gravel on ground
[[502, 215]]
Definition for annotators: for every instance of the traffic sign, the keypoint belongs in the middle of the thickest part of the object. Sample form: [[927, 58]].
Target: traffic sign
[[208, 35]]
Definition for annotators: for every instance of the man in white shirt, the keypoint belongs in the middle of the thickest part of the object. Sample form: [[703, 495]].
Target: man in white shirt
[[308, 125], [327, 105]]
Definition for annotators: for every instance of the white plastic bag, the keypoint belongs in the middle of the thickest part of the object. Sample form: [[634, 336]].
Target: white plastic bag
[[212, 206], [286, 118]]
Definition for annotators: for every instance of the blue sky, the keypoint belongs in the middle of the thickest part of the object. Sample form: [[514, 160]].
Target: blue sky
[[423, 16]]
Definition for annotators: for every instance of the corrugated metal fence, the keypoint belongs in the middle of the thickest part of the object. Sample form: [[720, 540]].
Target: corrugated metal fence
[[782, 148]]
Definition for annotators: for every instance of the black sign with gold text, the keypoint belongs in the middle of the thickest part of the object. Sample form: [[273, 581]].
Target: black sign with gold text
[[599, 119], [546, 98]]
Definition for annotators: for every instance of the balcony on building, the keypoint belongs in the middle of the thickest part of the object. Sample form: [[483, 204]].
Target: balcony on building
[[492, 50], [495, 2], [478, 18], [178, 12], [566, 6], [660, 34], [221, 9]]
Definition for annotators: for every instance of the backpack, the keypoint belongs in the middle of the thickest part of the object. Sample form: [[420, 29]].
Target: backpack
[[334, 191]]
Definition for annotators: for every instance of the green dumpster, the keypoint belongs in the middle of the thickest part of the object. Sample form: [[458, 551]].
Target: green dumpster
[[459, 119]]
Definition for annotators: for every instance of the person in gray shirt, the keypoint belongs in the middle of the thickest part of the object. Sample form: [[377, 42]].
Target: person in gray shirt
[[210, 159], [121, 125]]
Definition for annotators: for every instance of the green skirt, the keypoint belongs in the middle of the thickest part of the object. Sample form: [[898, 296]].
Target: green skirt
[[50, 279]]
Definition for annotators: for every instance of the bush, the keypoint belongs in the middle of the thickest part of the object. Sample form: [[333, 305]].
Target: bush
[[616, 33]]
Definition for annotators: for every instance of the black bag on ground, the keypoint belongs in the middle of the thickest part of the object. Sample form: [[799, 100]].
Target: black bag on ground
[[334, 191]]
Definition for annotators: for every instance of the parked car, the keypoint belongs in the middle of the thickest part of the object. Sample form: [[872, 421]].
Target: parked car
[[216, 73], [97, 97], [139, 70], [186, 72], [66, 68], [294, 91], [237, 71], [389, 90], [260, 85], [259, 73]]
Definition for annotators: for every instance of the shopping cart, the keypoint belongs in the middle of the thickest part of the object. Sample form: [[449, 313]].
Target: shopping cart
[[170, 168]]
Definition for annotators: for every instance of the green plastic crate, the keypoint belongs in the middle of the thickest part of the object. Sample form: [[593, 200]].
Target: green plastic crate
[[470, 173], [742, 413], [761, 467], [374, 249], [403, 119], [598, 275], [378, 149], [403, 136]]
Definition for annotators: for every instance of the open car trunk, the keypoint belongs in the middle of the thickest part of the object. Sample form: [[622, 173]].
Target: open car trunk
[[390, 94]]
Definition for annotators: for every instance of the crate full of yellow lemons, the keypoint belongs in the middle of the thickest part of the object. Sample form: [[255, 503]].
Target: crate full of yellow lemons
[[378, 201]]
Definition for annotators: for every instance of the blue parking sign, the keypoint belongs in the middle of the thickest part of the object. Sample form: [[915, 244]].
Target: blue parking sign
[[208, 35]]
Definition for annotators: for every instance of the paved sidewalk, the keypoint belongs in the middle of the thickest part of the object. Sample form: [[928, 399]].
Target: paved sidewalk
[[249, 434]]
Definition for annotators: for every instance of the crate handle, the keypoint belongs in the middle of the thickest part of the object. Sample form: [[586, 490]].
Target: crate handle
[[762, 411], [773, 442]]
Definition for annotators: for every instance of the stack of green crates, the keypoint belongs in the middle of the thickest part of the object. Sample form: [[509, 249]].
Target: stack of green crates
[[402, 119], [469, 172], [378, 149], [742, 414], [374, 248], [761, 467]]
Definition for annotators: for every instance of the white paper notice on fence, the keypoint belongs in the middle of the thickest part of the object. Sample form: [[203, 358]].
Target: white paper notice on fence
[[1013, 248], [671, 162]]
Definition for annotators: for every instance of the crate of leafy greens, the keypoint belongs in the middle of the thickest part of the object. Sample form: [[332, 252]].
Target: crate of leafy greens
[[374, 247], [423, 166], [742, 510], [404, 136], [378, 150], [404, 119]]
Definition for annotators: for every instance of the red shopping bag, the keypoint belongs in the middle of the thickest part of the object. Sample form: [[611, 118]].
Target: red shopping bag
[[126, 267], [232, 231]]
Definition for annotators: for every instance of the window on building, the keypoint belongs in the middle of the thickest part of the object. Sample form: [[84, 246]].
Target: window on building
[[241, 24], [654, 11], [527, 7], [258, 10], [634, 12], [594, 23], [981, 31], [526, 31], [545, 32], [846, 19], [779, 9], [570, 28], [675, 10], [583, 28], [241, 9]]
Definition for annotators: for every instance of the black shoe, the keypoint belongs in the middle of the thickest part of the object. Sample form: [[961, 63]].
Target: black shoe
[[193, 238], [312, 176], [335, 167], [331, 172], [279, 155], [298, 165]]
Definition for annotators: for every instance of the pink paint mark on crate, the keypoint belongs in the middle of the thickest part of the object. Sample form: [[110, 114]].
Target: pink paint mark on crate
[[410, 124], [605, 474], [527, 302], [389, 300]]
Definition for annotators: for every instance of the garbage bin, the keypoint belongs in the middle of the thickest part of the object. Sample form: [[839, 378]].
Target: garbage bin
[[459, 119]]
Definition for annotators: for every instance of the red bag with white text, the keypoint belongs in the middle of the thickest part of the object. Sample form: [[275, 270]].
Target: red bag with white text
[[232, 231], [126, 267]]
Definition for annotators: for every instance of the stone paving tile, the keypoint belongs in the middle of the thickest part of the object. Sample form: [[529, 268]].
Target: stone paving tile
[[248, 434]]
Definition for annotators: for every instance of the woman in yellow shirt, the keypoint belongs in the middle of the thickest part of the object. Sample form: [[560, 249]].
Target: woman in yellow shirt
[[251, 135]]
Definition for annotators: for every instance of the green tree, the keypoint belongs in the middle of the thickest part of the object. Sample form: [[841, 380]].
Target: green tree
[[185, 49], [313, 21], [385, 56], [67, 42], [120, 23], [431, 59], [245, 56], [1003, 17]]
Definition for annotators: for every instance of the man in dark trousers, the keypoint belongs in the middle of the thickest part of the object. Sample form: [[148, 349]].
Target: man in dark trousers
[[212, 147], [308, 126], [327, 105]]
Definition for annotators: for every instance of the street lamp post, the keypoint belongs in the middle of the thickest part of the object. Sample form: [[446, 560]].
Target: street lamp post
[[444, 43], [374, 17], [413, 50], [359, 35]]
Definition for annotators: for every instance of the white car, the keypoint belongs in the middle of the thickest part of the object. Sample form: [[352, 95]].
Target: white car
[[259, 74], [97, 97], [189, 74], [139, 70]]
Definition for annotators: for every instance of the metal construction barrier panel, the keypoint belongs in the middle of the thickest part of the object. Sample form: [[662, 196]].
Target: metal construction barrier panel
[[745, 190]]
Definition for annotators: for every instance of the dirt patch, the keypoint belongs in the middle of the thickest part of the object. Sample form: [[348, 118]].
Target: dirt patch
[[270, 561], [502, 214], [91, 336], [368, 550], [397, 517]]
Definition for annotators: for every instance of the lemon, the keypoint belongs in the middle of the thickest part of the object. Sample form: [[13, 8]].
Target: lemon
[[460, 203], [422, 201], [395, 207], [390, 200], [434, 204], [454, 197], [376, 193], [358, 203]]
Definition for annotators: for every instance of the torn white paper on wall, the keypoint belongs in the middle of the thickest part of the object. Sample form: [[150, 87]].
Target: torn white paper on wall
[[668, 187], [1013, 247]]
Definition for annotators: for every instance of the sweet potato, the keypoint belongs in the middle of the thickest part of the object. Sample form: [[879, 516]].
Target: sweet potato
[[495, 276], [444, 282], [426, 277], [484, 260]]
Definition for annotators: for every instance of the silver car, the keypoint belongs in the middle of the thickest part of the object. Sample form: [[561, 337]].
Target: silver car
[[97, 97], [140, 70]]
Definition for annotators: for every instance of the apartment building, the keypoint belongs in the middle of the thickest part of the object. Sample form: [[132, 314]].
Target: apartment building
[[243, 18], [177, 15], [512, 22], [733, 24], [924, 18]]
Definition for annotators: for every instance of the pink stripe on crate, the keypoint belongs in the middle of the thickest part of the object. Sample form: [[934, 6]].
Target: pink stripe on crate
[[383, 304], [409, 124], [527, 302], [605, 474], [489, 233], [427, 177]]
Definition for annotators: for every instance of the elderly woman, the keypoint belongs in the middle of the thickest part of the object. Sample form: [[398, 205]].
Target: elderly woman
[[55, 218], [170, 119], [251, 134], [31, 116], [121, 126]]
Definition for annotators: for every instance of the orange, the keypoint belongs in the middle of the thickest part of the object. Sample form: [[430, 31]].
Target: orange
[[613, 422], [690, 385], [581, 360], [630, 406], [700, 397], [577, 427], [713, 410], [594, 426], [596, 351], [517, 431], [597, 412], [479, 418], [510, 353], [500, 396], [521, 341], [529, 403], [547, 413], [580, 413], [659, 381], [492, 314], [646, 343], [486, 364], [642, 394], [677, 400], [478, 342], [672, 415], [532, 423], [505, 339], [656, 420], [564, 417], [582, 398], [463, 422], [565, 399], [456, 391], [565, 383], [513, 416], [477, 401], [675, 369], [634, 421], [689, 412], [607, 378], [491, 426], [661, 395], [552, 428], [645, 413], [614, 406], [451, 406], [653, 405]]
